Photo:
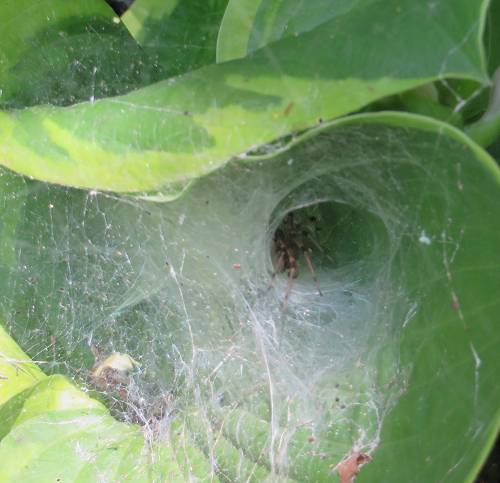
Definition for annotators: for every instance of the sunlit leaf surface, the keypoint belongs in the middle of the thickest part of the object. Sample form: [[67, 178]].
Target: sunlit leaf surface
[[183, 127]]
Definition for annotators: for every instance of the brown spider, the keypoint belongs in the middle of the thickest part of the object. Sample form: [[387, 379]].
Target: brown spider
[[288, 245]]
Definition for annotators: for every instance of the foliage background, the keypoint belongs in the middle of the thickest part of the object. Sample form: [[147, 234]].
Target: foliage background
[[156, 114]]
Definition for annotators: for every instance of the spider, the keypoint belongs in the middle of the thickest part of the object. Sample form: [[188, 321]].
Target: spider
[[288, 245]]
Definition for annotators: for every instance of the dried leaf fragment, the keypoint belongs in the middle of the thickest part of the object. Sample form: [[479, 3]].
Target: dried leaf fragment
[[349, 468], [113, 370]]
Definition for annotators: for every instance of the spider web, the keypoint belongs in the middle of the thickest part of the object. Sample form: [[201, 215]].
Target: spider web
[[183, 288]]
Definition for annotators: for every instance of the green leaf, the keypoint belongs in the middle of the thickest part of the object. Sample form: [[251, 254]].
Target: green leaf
[[424, 100], [398, 358], [190, 459], [487, 129], [232, 42], [492, 36], [182, 128], [232, 462], [249, 25], [17, 371], [54, 432], [182, 35], [66, 52], [74, 445], [53, 393], [494, 150]]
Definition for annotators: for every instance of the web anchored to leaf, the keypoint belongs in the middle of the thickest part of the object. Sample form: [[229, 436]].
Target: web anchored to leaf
[[202, 351]]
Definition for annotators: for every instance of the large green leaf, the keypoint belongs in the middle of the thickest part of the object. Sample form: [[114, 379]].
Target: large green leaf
[[61, 52], [181, 128], [249, 25], [398, 358], [59, 434], [182, 35]]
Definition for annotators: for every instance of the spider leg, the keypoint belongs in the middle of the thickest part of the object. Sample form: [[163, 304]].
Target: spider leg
[[311, 269], [292, 273], [280, 265]]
